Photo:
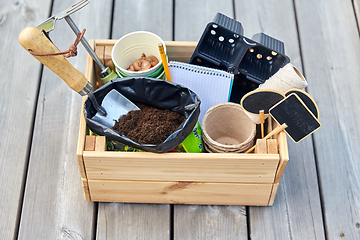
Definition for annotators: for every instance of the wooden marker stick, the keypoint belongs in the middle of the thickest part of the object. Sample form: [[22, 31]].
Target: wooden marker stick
[[300, 120], [273, 132], [262, 121]]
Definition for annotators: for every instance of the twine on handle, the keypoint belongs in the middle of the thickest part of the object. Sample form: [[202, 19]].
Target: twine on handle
[[71, 52]]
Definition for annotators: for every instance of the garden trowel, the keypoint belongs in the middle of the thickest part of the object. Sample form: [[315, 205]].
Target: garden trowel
[[33, 40]]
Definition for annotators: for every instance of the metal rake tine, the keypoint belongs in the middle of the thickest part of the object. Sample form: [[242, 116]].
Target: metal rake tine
[[49, 24], [73, 8]]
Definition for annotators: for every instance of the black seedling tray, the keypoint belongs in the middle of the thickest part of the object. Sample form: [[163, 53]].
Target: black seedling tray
[[253, 61]]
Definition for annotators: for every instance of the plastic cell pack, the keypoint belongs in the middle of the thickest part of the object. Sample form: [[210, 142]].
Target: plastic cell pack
[[223, 46]]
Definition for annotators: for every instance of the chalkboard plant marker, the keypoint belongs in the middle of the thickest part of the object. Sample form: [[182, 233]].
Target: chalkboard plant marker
[[261, 99], [307, 100], [300, 120]]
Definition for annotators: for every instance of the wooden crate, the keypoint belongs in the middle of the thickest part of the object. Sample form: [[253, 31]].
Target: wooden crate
[[178, 178]]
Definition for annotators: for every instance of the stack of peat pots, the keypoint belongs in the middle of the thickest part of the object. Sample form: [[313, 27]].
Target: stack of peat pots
[[227, 129]]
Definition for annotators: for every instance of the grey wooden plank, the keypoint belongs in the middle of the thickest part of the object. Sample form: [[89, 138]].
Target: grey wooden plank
[[196, 221], [130, 16], [356, 4], [17, 106], [330, 49], [133, 221], [54, 205], [124, 220], [297, 206], [209, 222], [191, 17]]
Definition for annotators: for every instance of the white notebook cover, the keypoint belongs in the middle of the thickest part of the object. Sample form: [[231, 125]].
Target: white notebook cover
[[211, 85]]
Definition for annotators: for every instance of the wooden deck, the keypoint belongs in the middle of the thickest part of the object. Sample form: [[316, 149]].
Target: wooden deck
[[40, 186]]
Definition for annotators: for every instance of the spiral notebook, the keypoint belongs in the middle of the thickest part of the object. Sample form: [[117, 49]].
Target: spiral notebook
[[212, 86]]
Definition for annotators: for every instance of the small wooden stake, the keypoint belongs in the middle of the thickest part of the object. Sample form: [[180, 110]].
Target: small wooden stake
[[262, 121], [273, 132]]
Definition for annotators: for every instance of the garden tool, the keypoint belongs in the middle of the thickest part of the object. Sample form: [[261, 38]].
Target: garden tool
[[36, 41], [106, 74]]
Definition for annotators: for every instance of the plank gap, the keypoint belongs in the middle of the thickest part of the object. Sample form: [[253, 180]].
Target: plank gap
[[27, 161], [248, 226], [356, 6], [299, 40], [95, 221], [322, 205], [112, 19], [173, 21], [171, 222]]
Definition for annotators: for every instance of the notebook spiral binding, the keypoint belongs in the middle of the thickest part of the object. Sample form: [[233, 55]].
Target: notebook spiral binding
[[200, 69]]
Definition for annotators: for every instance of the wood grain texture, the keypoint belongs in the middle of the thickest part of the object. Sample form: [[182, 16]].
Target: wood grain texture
[[209, 222], [249, 168], [261, 146], [204, 222], [333, 77], [137, 221], [54, 205], [85, 185], [20, 74], [130, 16], [284, 156], [90, 143], [296, 208], [191, 17], [180, 192], [272, 147], [82, 124], [273, 194], [100, 144], [356, 4], [180, 54], [133, 221]]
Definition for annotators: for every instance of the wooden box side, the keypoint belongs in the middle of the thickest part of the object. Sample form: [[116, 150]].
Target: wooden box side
[[89, 74], [283, 153], [194, 167], [180, 192]]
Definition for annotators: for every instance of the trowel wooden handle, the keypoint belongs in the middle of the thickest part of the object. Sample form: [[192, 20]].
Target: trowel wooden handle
[[34, 40]]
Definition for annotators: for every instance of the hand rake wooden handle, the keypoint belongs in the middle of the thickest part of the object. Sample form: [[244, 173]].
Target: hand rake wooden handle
[[34, 40]]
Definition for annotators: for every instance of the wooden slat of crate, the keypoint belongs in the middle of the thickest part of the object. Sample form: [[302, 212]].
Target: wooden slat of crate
[[272, 148], [89, 73], [215, 167], [107, 57], [284, 155], [180, 192], [275, 187], [180, 50]]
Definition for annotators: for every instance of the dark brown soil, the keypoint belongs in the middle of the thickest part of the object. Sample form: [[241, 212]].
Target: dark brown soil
[[149, 125]]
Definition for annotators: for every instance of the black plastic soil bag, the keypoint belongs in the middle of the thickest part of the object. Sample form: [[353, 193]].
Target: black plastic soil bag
[[158, 93]]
